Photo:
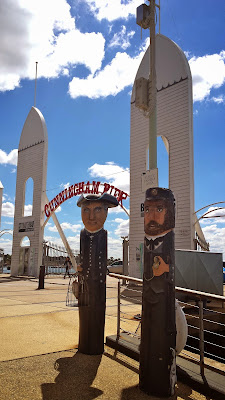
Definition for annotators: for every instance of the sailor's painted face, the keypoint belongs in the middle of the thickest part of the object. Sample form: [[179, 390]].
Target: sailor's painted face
[[93, 214], [154, 217]]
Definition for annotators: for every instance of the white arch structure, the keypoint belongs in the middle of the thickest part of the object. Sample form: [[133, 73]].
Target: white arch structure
[[175, 126], [32, 163]]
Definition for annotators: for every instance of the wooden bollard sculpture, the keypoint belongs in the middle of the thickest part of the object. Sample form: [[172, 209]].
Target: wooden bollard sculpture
[[158, 331], [92, 272]]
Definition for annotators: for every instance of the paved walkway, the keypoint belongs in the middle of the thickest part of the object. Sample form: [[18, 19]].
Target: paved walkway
[[38, 354]]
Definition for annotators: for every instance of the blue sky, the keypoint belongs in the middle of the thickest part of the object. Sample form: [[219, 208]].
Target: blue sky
[[88, 52]]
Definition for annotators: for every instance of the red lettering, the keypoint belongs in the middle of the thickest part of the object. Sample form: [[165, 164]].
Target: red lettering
[[87, 190], [47, 212], [61, 197], [51, 205], [70, 191], [81, 187], [76, 191], [122, 196], [106, 187], [95, 187], [117, 193], [111, 188], [56, 200]]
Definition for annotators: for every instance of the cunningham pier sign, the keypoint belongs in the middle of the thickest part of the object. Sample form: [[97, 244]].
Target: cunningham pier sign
[[84, 188]]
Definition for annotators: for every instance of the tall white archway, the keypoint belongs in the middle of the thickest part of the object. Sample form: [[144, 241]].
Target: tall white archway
[[175, 126], [32, 163]]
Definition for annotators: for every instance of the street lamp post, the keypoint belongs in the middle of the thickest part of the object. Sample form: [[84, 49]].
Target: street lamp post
[[1, 193], [152, 92], [157, 373], [146, 90]]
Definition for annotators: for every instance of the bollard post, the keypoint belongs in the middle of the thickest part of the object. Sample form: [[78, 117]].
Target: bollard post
[[125, 257], [41, 277], [92, 271], [201, 337], [158, 329], [118, 312]]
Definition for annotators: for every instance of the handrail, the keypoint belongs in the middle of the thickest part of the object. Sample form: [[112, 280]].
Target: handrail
[[128, 278], [202, 295], [203, 343]]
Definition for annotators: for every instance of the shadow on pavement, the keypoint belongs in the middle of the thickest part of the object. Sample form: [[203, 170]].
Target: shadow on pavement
[[9, 278], [76, 375]]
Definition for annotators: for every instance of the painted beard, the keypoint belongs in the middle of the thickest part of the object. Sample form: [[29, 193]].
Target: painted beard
[[153, 228]]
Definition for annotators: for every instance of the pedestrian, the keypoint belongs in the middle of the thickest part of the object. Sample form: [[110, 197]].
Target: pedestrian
[[67, 264]]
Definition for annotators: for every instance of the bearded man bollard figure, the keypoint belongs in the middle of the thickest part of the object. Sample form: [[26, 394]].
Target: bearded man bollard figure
[[158, 330], [92, 271]]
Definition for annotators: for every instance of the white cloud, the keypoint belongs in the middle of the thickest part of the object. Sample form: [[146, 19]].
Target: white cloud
[[25, 242], [10, 158], [117, 210], [6, 243], [6, 197], [123, 227], [122, 38], [219, 100], [58, 209], [216, 238], [119, 177], [74, 241], [111, 80], [7, 209], [114, 247], [65, 185], [113, 9], [65, 226], [28, 210], [53, 239], [33, 31], [119, 220], [187, 54], [208, 72]]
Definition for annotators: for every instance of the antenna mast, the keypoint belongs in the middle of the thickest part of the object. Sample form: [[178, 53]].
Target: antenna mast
[[35, 89]]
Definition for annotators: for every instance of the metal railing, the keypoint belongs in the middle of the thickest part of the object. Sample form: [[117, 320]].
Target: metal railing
[[205, 315], [54, 257]]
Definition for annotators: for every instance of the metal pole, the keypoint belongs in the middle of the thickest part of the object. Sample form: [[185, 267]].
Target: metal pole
[[159, 18], [125, 257], [118, 312], [201, 337], [35, 90], [1, 194], [152, 93]]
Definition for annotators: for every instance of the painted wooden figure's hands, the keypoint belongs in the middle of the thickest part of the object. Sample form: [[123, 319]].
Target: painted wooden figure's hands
[[79, 268], [159, 266]]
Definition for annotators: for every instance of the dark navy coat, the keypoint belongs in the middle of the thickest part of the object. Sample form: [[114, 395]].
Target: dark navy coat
[[92, 299]]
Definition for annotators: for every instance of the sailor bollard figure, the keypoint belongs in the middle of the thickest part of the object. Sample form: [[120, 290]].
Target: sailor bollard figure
[[92, 271], [158, 331]]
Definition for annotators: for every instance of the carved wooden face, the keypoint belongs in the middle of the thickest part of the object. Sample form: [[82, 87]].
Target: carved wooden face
[[154, 217], [94, 214]]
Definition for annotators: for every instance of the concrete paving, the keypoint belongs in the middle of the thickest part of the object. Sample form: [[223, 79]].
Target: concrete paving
[[38, 354]]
